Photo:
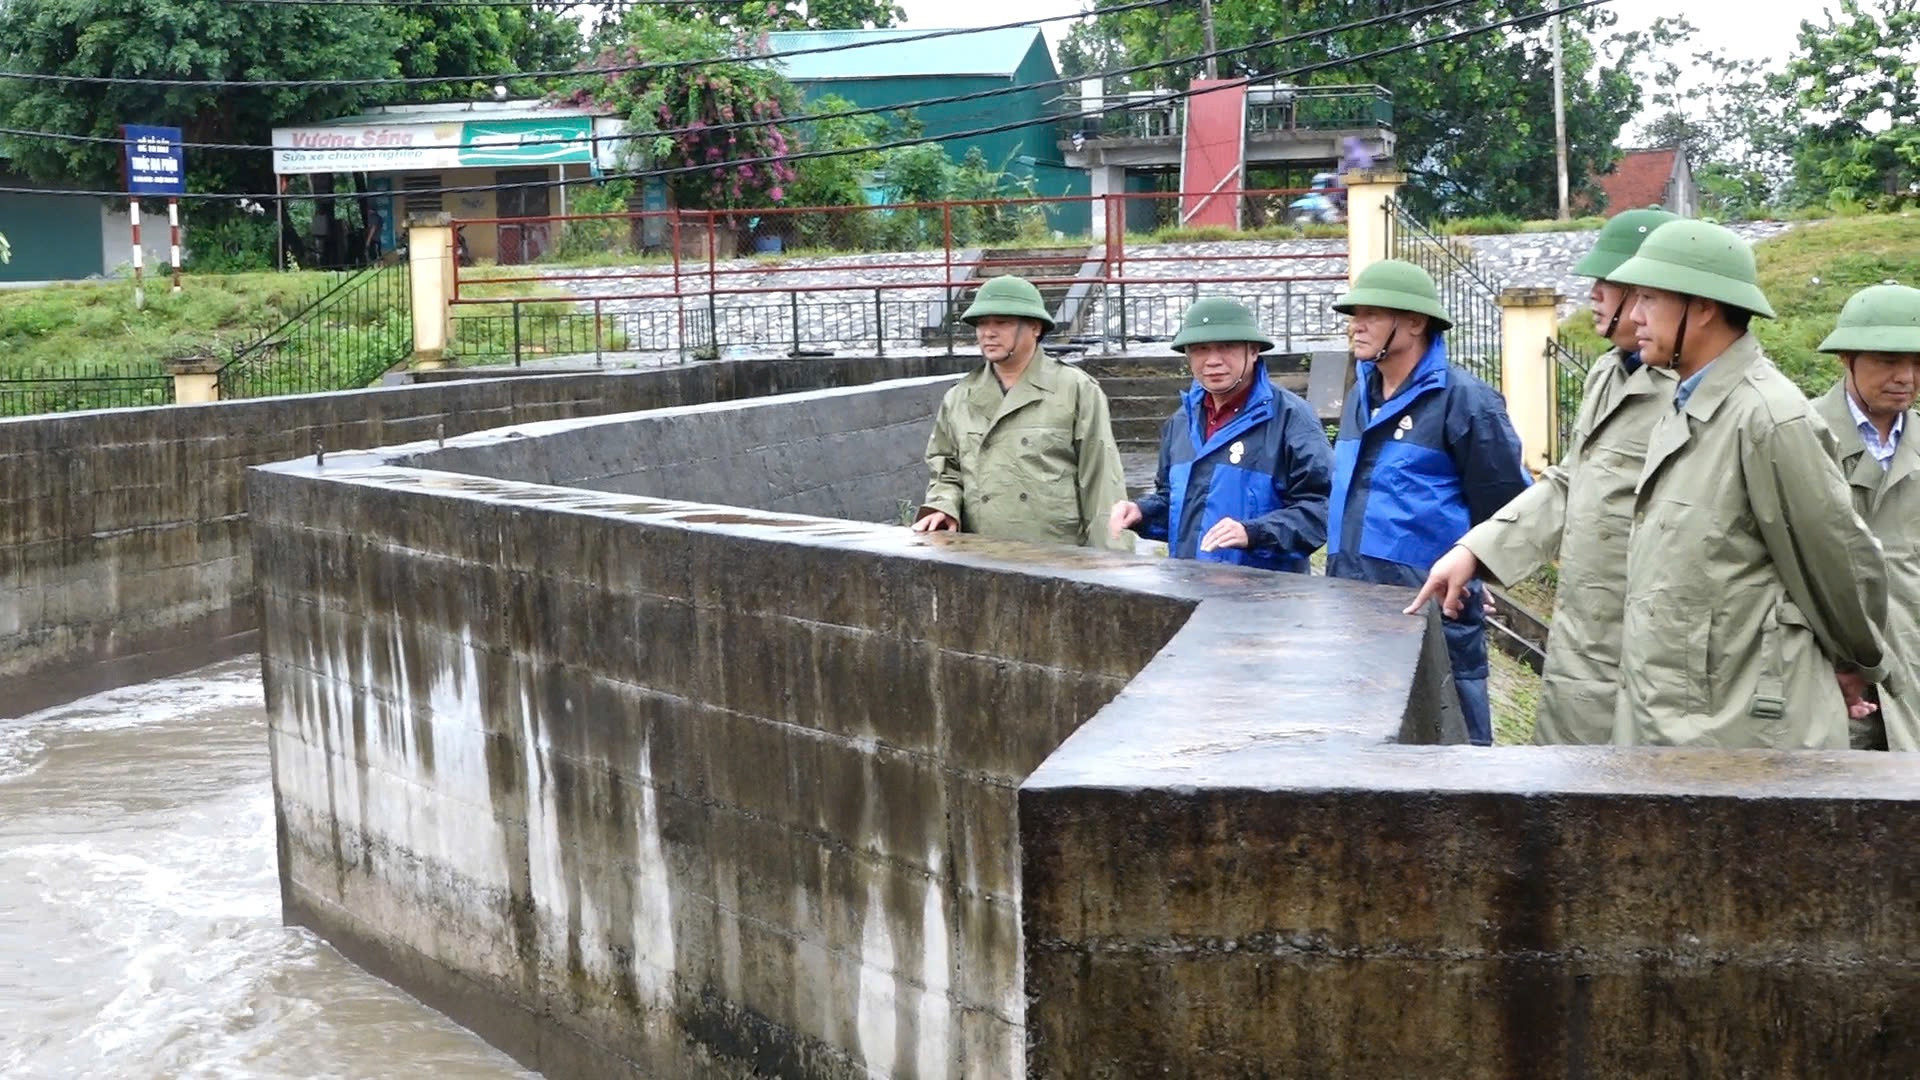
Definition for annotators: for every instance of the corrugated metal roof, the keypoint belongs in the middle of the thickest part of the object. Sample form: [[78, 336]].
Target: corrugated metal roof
[[986, 52], [454, 112]]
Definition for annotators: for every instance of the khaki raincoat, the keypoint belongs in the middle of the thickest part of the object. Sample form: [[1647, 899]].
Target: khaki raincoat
[[1889, 500], [1035, 463], [1582, 509], [1749, 575]]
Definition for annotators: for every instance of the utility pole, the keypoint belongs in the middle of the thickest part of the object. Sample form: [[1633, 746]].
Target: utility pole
[[1206, 21], [1560, 118]]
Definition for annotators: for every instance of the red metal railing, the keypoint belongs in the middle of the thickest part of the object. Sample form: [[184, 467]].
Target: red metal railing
[[906, 261], [701, 247]]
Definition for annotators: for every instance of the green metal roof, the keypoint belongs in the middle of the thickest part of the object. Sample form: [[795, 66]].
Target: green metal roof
[[986, 52]]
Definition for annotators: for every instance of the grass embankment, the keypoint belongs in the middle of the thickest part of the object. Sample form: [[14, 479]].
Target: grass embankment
[[92, 327], [1807, 273]]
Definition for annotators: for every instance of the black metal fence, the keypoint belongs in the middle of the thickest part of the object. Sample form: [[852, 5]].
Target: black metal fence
[[93, 387], [520, 330], [1298, 313], [1466, 291], [1568, 384], [344, 338]]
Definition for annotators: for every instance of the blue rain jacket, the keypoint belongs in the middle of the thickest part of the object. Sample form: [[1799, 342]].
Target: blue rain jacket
[[1410, 479], [1269, 468]]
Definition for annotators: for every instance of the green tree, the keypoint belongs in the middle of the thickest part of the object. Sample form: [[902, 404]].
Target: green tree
[[1729, 114], [178, 39], [1855, 79], [699, 104], [774, 14], [445, 41], [1473, 118]]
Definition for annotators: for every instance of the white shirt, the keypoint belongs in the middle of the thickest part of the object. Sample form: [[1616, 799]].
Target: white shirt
[[1882, 452]]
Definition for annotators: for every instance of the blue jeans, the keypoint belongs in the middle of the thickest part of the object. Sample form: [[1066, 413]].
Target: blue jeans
[[1478, 710], [1467, 653]]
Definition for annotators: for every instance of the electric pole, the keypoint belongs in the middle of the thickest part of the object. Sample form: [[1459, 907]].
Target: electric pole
[[1206, 21], [1559, 118]]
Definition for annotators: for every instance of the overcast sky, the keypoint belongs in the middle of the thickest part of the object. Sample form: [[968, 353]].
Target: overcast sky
[[1751, 28]]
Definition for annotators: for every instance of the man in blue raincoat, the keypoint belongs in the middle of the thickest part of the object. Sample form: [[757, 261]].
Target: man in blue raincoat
[[1244, 466], [1425, 452]]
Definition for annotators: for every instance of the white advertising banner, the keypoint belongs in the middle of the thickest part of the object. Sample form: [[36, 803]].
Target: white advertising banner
[[558, 140]]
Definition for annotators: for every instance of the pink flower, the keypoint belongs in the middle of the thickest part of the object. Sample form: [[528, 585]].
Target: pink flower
[[776, 193]]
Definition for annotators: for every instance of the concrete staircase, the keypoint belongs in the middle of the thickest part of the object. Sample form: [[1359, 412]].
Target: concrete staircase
[[1142, 391], [1068, 302]]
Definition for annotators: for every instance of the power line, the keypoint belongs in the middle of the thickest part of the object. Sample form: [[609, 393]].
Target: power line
[[524, 76], [872, 110], [551, 6], [548, 5], [1124, 106]]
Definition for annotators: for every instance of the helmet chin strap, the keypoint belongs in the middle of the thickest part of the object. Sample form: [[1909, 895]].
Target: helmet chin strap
[[1245, 373], [1388, 344], [1613, 324], [1680, 337]]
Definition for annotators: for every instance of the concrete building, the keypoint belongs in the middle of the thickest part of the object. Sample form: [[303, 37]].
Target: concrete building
[[73, 237], [409, 153], [1661, 177], [1139, 142], [886, 71]]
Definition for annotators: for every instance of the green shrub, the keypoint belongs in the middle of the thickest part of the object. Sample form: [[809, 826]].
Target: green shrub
[[1483, 225]]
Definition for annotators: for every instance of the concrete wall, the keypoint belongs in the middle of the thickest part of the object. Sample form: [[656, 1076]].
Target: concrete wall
[[855, 453], [123, 533], [650, 788], [1200, 902]]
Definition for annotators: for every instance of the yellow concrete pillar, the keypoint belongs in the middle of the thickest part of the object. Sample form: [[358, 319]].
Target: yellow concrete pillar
[[430, 270], [1368, 192], [196, 379], [1529, 321]]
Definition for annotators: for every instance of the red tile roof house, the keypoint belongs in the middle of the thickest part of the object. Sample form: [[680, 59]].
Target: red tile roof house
[[1658, 177]]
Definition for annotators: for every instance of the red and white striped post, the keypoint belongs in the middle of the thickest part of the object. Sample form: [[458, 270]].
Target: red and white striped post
[[139, 290], [173, 224]]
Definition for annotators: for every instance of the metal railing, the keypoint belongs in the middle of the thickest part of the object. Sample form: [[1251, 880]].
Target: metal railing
[[344, 338], [1467, 292], [93, 387], [1271, 108], [1568, 380], [691, 291]]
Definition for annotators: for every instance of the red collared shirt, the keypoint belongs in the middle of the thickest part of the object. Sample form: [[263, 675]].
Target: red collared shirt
[[1215, 416]]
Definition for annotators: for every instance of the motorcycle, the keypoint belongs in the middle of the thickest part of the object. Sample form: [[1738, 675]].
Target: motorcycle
[[1323, 205]]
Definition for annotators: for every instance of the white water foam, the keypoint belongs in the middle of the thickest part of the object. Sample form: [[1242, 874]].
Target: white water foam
[[140, 932]]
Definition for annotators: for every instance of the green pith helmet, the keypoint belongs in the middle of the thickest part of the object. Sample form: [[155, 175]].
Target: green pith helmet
[[1216, 318], [1619, 241], [1398, 285], [1697, 258], [1879, 318], [1008, 295]]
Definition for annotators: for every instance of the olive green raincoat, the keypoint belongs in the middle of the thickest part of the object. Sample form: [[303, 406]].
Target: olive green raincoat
[[1749, 575], [1035, 463], [1889, 500], [1582, 509]]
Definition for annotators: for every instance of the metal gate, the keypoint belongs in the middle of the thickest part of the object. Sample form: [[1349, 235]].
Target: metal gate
[[1466, 291]]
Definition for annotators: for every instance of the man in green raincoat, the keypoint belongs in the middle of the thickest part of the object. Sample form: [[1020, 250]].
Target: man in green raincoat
[[1582, 509], [1878, 339], [1022, 448], [1755, 593]]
